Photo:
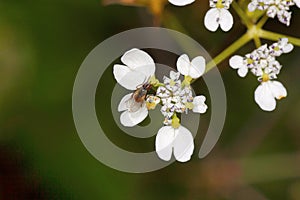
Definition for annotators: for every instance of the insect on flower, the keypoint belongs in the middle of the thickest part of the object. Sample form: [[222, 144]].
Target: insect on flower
[[138, 97]]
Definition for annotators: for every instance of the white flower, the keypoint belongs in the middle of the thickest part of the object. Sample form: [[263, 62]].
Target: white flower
[[258, 4], [186, 94], [237, 62], [181, 2], [199, 104], [162, 92], [280, 47], [133, 113], [152, 101], [279, 8], [284, 17], [263, 64], [267, 92], [173, 83], [218, 15], [178, 141], [139, 66], [194, 68], [172, 105], [168, 107]]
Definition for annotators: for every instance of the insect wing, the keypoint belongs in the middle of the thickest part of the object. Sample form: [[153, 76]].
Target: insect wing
[[132, 105]]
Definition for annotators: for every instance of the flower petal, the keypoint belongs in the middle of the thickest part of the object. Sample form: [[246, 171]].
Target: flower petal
[[164, 142], [199, 104], [211, 19], [183, 144], [226, 20], [139, 60], [183, 64], [174, 75], [236, 62], [251, 6], [242, 72], [181, 2], [122, 105], [130, 119], [264, 97], [128, 78], [297, 2], [197, 67], [277, 89], [288, 48]]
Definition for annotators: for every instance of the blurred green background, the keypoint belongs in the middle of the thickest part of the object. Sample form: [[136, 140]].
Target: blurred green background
[[42, 45]]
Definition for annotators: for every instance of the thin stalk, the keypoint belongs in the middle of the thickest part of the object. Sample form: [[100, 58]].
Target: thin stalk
[[241, 14], [275, 36], [262, 22], [244, 39], [257, 41]]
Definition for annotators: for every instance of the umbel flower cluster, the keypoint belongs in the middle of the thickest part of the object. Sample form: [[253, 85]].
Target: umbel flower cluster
[[279, 8], [174, 96], [263, 64]]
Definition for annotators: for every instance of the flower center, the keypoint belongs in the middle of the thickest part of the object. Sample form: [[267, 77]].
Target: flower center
[[172, 83], [219, 4], [250, 61], [265, 77], [276, 48]]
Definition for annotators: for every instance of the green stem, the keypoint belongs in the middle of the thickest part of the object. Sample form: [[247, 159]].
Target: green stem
[[257, 41], [262, 22], [241, 14], [275, 36], [229, 51]]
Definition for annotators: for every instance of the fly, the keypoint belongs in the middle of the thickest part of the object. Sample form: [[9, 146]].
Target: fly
[[138, 97]]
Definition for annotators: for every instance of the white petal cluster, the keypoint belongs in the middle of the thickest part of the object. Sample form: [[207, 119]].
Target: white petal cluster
[[218, 15], [174, 95], [263, 64], [139, 66], [177, 97], [279, 8]]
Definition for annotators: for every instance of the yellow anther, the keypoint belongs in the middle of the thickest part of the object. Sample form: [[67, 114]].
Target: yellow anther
[[150, 105], [281, 97]]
